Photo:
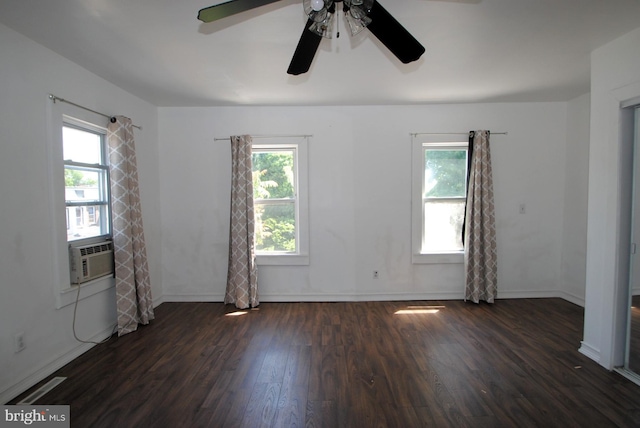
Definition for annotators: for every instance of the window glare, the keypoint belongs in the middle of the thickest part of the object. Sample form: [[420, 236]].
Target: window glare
[[81, 146], [445, 173], [443, 226]]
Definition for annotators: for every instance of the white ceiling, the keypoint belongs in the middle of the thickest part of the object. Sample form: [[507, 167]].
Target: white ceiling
[[476, 50]]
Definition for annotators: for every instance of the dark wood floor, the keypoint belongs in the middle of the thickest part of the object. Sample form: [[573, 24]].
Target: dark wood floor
[[511, 364]]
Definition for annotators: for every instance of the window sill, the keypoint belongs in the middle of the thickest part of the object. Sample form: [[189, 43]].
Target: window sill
[[456, 257], [282, 260], [68, 295]]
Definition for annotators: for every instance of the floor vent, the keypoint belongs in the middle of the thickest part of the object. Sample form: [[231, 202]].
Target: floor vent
[[35, 395]]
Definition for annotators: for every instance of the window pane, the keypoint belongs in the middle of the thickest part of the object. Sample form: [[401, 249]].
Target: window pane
[[443, 226], [275, 228], [86, 187], [273, 174], [445, 173], [82, 185], [81, 146], [86, 222]]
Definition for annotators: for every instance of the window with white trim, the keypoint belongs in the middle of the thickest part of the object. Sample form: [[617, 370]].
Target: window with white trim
[[280, 202], [86, 176], [79, 203], [439, 198]]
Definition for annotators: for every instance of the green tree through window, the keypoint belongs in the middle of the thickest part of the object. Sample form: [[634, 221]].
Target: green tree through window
[[274, 193], [75, 178], [445, 172]]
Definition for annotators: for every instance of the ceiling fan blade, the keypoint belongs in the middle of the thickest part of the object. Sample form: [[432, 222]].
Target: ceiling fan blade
[[393, 35], [305, 51], [222, 10]]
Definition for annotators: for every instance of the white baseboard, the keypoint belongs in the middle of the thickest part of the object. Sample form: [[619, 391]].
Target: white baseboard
[[51, 366], [576, 300], [545, 294], [317, 297], [158, 300], [353, 297], [200, 297], [590, 351], [370, 297]]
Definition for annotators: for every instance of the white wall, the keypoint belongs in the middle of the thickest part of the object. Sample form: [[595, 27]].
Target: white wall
[[29, 278], [574, 237], [615, 78], [360, 207]]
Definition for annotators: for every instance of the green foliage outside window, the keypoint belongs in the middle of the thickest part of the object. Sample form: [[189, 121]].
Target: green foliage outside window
[[75, 178], [445, 173], [273, 179]]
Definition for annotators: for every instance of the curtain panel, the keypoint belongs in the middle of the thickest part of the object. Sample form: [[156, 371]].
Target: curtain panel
[[133, 289], [480, 251], [242, 274]]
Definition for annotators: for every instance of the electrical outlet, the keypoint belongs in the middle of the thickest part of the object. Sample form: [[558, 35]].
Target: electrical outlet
[[18, 342], [375, 274]]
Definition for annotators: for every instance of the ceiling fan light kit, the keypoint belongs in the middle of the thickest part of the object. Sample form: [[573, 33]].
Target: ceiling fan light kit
[[357, 19], [359, 14], [322, 11], [317, 5]]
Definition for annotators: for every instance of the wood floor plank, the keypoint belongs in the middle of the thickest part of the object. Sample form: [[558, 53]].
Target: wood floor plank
[[262, 406], [291, 409], [349, 364], [321, 414]]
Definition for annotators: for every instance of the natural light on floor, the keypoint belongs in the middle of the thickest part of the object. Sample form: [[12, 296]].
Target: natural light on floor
[[236, 313], [419, 310]]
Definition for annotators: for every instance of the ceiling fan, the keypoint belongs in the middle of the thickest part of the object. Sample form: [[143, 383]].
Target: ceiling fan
[[359, 14]]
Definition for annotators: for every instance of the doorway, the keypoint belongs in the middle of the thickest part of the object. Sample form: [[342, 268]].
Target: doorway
[[632, 350]]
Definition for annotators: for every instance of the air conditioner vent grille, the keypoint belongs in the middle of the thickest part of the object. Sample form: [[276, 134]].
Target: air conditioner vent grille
[[95, 249], [90, 261]]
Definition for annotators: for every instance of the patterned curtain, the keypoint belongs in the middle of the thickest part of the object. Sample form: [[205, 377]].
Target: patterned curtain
[[133, 289], [242, 275], [480, 232]]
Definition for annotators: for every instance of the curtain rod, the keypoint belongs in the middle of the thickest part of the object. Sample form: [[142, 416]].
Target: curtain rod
[[266, 136], [62, 100], [452, 133]]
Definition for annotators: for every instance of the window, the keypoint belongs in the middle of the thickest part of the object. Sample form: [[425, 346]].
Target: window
[[86, 179], [439, 192], [443, 198], [79, 185], [274, 196], [280, 207]]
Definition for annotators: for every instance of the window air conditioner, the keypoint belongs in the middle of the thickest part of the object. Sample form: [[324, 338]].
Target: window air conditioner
[[90, 261]]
